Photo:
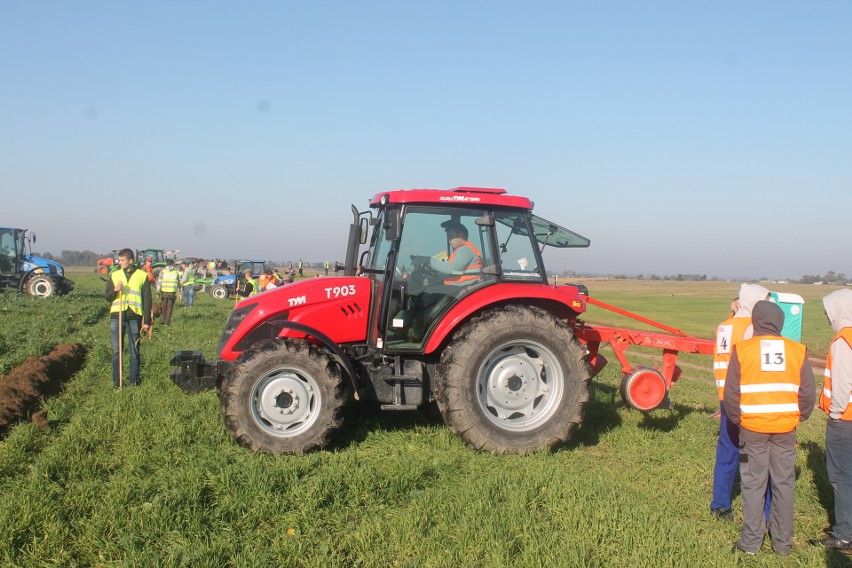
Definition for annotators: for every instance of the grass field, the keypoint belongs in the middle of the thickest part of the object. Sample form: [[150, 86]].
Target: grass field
[[149, 477]]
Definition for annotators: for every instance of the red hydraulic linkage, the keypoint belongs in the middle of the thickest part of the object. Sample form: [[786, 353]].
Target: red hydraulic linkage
[[620, 339]]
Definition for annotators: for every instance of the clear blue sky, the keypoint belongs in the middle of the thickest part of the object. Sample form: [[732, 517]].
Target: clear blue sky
[[680, 137]]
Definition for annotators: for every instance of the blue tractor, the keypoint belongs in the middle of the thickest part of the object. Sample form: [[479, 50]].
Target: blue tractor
[[226, 284], [22, 271]]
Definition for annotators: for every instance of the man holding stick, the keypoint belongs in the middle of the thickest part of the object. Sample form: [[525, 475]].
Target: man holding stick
[[129, 292]]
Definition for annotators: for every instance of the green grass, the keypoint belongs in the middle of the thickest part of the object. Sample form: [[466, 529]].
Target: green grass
[[149, 476]]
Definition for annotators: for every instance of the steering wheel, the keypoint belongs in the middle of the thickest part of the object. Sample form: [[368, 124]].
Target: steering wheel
[[422, 276]]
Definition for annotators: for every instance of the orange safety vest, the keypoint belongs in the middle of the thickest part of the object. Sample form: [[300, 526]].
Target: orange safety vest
[[728, 333], [770, 375], [825, 396], [475, 264], [263, 280]]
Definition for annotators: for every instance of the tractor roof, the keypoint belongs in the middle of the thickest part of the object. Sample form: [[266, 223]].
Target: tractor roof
[[458, 195]]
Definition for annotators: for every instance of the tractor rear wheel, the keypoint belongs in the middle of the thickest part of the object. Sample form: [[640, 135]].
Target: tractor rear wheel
[[513, 380], [219, 291], [284, 396], [41, 285]]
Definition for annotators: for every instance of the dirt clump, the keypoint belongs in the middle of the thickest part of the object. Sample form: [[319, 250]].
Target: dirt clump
[[38, 378]]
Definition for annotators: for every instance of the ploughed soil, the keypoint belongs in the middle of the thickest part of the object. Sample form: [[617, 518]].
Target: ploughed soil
[[23, 390]]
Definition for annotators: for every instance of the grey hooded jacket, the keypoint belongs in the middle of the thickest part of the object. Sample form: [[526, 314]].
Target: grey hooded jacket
[[838, 308], [768, 319]]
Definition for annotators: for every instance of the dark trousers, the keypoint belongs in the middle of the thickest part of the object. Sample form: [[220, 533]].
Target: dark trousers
[[767, 459], [167, 301], [838, 461]]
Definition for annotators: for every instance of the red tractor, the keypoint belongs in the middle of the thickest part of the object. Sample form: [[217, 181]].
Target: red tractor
[[499, 348]]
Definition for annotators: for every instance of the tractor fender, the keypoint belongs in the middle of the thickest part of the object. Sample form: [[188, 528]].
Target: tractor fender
[[327, 342], [565, 302]]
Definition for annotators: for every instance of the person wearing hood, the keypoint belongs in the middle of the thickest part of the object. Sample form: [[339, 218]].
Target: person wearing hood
[[728, 333], [834, 400], [769, 389]]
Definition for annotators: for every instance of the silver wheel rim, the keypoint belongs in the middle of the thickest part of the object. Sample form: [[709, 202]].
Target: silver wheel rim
[[285, 402], [40, 288], [520, 385]]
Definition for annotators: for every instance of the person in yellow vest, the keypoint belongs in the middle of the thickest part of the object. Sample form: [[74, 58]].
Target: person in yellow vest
[[168, 283], [187, 283], [835, 401], [250, 287], [129, 292], [728, 333], [769, 389]]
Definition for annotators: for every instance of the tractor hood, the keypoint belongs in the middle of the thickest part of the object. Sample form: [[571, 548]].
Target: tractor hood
[[336, 308], [30, 262]]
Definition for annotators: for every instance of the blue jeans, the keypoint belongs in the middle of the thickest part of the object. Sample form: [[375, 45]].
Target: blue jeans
[[727, 464], [131, 329], [838, 461], [188, 293]]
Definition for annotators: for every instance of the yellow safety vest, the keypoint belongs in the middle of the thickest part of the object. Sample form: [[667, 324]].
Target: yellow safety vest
[[131, 294], [170, 280]]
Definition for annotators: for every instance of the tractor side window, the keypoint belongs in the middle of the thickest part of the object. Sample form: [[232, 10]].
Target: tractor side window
[[7, 252], [435, 269], [517, 251]]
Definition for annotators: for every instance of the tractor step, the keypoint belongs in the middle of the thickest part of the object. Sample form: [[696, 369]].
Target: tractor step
[[399, 407], [407, 391]]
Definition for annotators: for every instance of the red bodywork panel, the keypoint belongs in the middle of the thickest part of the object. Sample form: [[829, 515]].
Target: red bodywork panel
[[459, 195], [336, 306], [568, 296]]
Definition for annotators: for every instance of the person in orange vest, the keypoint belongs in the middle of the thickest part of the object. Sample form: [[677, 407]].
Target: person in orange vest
[[835, 401], [465, 261], [149, 269], [769, 389], [728, 333]]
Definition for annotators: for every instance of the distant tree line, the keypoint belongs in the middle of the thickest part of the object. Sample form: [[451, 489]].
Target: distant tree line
[[74, 257], [830, 277]]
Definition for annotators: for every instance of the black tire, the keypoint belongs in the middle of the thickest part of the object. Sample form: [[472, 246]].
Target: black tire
[[219, 291], [41, 285], [284, 396], [512, 381]]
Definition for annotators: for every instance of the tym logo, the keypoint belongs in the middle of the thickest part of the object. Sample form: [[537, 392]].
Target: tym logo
[[297, 301]]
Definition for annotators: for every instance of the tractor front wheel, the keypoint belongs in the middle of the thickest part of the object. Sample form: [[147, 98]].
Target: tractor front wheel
[[41, 285], [284, 396], [513, 380], [219, 291]]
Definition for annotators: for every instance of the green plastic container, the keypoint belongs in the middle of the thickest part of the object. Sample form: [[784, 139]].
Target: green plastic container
[[793, 306]]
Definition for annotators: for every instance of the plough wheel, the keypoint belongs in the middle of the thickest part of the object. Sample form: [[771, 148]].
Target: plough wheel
[[643, 389]]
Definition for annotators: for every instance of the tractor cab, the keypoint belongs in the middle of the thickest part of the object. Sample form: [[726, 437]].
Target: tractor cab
[[433, 250]]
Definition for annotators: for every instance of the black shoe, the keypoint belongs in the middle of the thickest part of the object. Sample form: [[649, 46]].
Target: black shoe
[[739, 548], [723, 513], [831, 542]]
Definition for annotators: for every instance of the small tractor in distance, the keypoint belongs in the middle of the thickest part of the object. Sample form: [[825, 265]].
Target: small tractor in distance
[[499, 348], [20, 270], [225, 285]]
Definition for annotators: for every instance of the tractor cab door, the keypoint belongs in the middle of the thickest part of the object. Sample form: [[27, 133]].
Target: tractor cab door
[[431, 273], [9, 251]]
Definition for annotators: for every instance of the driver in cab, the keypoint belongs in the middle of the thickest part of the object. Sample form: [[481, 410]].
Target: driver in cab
[[465, 261]]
